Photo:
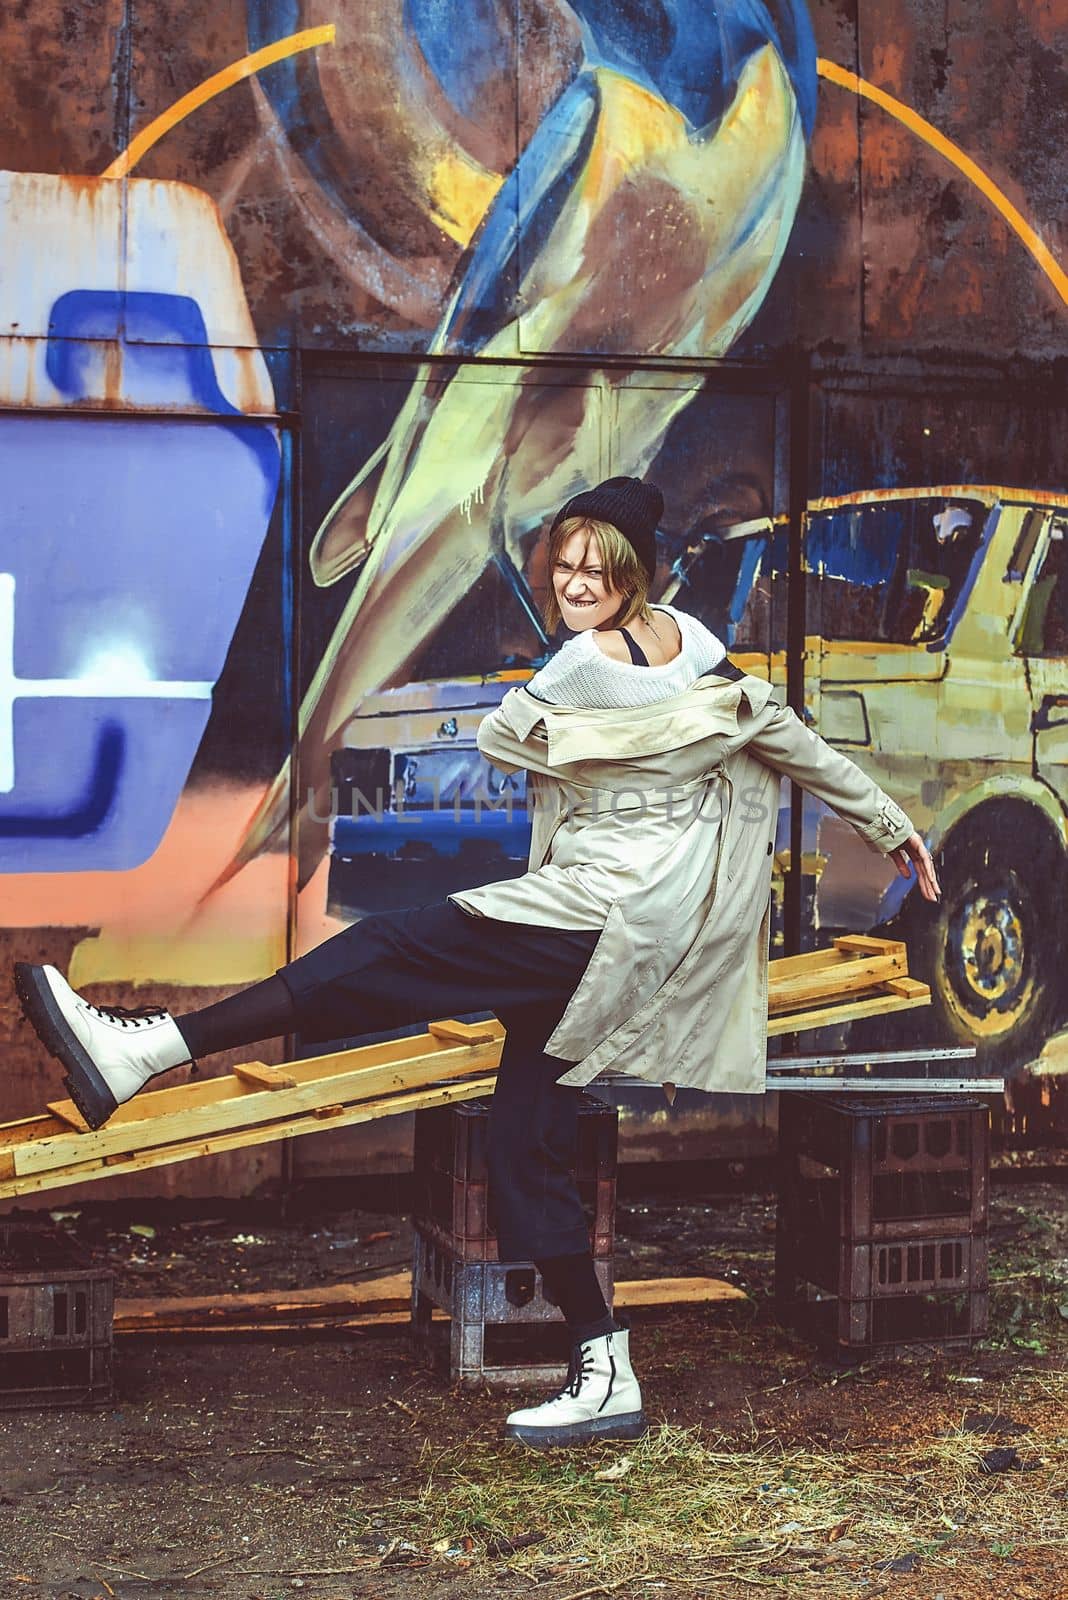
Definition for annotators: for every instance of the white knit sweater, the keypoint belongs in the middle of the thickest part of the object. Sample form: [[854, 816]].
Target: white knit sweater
[[581, 675]]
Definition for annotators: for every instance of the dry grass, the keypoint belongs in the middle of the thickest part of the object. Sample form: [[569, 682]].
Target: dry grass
[[690, 1508]]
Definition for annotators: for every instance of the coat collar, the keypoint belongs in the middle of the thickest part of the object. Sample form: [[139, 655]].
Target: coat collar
[[709, 707]]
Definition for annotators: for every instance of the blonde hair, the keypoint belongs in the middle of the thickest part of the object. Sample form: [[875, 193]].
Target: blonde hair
[[622, 570]]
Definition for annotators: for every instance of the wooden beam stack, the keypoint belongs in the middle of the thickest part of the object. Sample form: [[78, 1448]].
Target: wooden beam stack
[[255, 1104]]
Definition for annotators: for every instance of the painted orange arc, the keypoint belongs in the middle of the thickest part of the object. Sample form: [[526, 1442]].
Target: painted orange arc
[[955, 155], [246, 67]]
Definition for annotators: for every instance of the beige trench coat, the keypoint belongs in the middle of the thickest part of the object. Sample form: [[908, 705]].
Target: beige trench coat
[[656, 825]]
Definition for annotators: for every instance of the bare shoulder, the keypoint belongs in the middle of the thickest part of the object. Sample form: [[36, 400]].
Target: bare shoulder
[[611, 643]]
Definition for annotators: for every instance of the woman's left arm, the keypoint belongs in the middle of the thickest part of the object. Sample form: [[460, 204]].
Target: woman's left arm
[[782, 741]]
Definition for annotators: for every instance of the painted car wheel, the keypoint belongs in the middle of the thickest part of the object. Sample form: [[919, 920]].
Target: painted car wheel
[[988, 976], [989, 951]]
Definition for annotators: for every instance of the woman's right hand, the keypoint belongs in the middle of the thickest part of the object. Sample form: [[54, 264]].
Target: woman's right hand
[[914, 851]]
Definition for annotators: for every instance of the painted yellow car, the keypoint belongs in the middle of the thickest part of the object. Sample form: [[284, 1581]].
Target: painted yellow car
[[937, 657]]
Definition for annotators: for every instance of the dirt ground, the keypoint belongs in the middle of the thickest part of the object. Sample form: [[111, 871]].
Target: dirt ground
[[251, 1468]]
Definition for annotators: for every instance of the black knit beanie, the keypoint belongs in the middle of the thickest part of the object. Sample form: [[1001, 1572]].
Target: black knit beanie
[[633, 507]]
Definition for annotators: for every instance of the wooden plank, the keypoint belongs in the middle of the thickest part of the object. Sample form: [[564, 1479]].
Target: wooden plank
[[26, 1128], [87, 1170], [875, 1006], [400, 1053], [219, 1116], [787, 966], [784, 967], [261, 1076], [868, 944], [635, 1292], [355, 1323], [388, 1292], [847, 975], [263, 1133], [257, 1074], [465, 1032], [841, 953], [68, 1113], [378, 1300], [906, 986]]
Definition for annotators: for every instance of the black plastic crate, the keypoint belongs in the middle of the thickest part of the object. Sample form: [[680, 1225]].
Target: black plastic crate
[[452, 1200], [867, 1166], [502, 1327], [881, 1236], [56, 1321], [889, 1297]]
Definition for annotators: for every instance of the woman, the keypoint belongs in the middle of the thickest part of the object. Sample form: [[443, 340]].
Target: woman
[[638, 938]]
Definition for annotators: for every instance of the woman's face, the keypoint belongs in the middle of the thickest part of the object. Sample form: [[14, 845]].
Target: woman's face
[[584, 598]]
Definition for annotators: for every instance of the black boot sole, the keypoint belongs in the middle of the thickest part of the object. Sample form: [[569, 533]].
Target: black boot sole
[[632, 1425], [87, 1088]]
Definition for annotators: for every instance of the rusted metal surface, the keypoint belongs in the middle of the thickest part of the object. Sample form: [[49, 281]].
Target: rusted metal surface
[[940, 265], [99, 316], [330, 175]]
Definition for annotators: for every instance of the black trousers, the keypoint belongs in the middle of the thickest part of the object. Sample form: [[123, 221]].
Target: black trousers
[[417, 965]]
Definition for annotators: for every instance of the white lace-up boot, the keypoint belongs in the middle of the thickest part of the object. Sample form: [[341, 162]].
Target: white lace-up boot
[[109, 1052], [600, 1400]]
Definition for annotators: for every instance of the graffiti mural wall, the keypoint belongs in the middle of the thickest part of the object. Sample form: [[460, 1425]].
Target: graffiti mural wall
[[312, 317]]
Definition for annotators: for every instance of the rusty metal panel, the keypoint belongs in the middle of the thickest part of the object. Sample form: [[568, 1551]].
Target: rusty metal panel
[[942, 269], [698, 1127], [401, 185], [110, 287], [818, 292], [64, 86], [655, 205], [58, 234], [350, 175]]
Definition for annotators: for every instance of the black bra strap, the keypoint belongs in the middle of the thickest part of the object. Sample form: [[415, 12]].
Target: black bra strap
[[637, 654]]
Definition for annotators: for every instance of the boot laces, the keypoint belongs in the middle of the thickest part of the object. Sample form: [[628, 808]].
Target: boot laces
[[128, 1016], [578, 1370]]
